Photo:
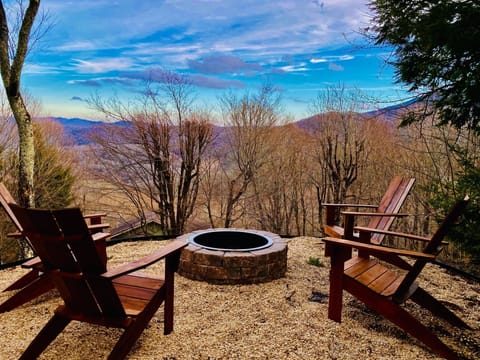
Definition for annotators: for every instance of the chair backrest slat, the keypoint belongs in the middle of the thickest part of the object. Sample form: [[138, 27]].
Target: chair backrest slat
[[63, 242], [79, 239], [44, 249], [391, 202], [76, 294], [5, 199]]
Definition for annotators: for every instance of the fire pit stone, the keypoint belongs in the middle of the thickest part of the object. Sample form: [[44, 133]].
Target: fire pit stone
[[263, 259]]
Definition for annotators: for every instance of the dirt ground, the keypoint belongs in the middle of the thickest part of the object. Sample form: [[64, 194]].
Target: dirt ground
[[275, 320]]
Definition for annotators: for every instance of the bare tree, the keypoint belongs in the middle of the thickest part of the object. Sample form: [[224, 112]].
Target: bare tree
[[282, 188], [210, 190], [341, 142], [249, 121], [156, 160]]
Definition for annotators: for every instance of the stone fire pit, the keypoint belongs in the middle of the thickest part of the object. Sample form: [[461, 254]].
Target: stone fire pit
[[233, 256]]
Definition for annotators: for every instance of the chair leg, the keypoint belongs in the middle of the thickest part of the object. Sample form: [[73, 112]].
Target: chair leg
[[335, 300], [101, 247], [41, 285], [400, 317], [409, 324], [169, 295], [427, 301], [337, 264], [49, 332], [133, 332], [26, 279]]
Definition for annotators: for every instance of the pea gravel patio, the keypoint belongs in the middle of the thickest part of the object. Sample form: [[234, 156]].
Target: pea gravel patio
[[274, 320]]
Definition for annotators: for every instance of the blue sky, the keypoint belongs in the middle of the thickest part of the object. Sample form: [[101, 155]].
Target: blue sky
[[107, 47]]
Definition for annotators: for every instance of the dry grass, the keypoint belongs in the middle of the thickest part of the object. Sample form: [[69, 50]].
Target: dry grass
[[267, 321]]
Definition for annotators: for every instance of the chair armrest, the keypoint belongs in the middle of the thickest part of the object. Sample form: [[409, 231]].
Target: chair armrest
[[170, 249], [33, 262], [94, 222], [392, 233], [361, 213], [98, 226], [330, 210], [351, 205], [349, 220], [16, 234], [95, 215], [100, 236], [376, 249]]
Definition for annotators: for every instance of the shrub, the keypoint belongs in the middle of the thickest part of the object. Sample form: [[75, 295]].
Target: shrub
[[315, 261]]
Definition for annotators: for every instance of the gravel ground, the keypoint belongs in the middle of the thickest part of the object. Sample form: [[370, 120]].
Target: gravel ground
[[275, 320]]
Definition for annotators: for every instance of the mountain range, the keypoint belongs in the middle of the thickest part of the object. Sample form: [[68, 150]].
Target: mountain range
[[79, 129]]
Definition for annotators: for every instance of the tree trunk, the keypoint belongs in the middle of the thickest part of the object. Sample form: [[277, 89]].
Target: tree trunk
[[26, 168], [11, 66]]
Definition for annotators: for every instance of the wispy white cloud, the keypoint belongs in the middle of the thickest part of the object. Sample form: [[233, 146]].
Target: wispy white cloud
[[294, 68], [102, 65], [222, 64], [268, 28], [40, 69], [335, 67], [162, 76], [86, 82], [101, 81], [145, 48], [330, 58], [214, 83], [81, 45], [215, 44], [317, 61]]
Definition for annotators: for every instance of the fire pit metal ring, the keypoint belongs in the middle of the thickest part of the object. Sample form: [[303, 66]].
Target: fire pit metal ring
[[230, 240]]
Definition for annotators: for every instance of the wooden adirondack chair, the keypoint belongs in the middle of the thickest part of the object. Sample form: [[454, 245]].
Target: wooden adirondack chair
[[37, 282], [382, 218], [121, 298], [383, 289]]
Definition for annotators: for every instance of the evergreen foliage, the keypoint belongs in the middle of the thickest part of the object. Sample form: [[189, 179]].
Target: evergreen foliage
[[467, 233], [436, 54], [53, 178], [53, 175]]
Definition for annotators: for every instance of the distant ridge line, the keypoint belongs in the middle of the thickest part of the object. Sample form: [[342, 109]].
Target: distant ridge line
[[80, 130]]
